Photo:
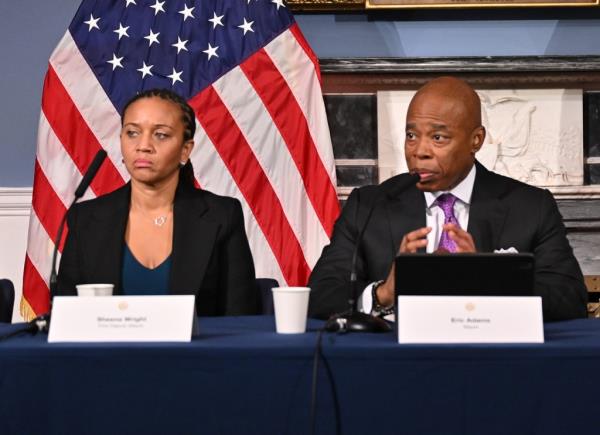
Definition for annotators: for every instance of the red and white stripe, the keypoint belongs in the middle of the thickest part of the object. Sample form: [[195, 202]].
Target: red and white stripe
[[212, 174], [96, 108], [264, 140], [275, 159]]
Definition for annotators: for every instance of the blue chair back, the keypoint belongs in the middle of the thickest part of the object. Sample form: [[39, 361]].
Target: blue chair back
[[7, 300], [264, 286]]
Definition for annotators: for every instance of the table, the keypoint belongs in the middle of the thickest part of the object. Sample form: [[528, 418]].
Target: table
[[239, 377]]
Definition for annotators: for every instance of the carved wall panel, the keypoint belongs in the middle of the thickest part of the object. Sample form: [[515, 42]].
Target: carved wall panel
[[533, 135]]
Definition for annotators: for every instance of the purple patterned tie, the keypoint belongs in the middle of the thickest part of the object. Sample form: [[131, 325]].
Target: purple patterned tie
[[446, 203]]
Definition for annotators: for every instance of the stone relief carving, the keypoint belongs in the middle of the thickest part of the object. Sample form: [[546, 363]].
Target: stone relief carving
[[533, 135]]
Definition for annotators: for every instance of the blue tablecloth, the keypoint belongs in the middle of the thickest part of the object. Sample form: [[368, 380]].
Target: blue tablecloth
[[240, 377]]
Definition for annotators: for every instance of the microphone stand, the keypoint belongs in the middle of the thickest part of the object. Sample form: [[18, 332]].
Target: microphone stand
[[354, 320], [42, 323], [53, 282]]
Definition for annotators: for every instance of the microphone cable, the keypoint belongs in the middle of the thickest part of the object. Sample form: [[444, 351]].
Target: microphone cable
[[318, 356], [39, 324]]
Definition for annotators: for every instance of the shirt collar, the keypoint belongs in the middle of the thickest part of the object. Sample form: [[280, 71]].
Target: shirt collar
[[462, 190]]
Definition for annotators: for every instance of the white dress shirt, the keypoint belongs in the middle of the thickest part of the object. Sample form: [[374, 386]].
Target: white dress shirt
[[434, 218]]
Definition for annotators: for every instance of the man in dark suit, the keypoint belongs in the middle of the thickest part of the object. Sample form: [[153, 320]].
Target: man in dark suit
[[457, 206]]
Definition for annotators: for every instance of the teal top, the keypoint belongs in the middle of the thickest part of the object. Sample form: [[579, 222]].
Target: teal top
[[136, 279]]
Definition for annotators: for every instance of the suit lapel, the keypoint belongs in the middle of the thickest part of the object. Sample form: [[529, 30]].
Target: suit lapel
[[487, 212], [108, 235], [194, 235], [406, 213]]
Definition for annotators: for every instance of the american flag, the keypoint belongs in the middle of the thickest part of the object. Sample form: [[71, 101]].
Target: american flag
[[262, 135]]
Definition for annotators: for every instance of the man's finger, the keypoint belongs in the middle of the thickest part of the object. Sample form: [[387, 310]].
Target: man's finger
[[464, 240], [415, 245], [414, 240], [418, 234]]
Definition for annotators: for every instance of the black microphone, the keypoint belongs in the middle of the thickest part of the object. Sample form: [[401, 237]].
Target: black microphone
[[83, 185], [89, 174], [354, 320]]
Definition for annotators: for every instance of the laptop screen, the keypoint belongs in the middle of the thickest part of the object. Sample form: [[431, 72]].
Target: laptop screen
[[478, 274]]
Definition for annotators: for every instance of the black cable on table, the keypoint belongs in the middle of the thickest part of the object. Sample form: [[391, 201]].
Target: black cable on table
[[39, 324], [318, 356]]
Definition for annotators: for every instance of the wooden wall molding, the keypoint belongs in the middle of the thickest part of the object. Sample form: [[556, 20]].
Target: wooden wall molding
[[369, 75], [15, 201]]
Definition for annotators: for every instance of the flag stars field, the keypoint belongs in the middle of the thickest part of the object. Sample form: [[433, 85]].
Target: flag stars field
[[182, 44]]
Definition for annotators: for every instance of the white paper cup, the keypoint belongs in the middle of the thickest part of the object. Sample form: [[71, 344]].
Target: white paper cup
[[291, 308], [95, 289]]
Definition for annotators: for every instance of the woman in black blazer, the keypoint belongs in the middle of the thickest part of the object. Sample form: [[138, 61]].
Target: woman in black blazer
[[159, 234]]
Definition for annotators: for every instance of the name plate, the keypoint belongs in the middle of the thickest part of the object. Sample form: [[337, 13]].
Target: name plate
[[468, 319], [122, 318]]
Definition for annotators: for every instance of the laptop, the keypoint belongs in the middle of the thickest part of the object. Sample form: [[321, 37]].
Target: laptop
[[476, 274]]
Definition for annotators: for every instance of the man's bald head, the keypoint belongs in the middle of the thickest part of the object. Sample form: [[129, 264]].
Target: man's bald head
[[454, 91], [443, 133]]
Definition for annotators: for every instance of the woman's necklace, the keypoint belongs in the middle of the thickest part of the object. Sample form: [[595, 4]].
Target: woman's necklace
[[159, 221]]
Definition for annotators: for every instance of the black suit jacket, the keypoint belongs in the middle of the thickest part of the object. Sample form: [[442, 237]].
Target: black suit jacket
[[503, 213], [210, 258]]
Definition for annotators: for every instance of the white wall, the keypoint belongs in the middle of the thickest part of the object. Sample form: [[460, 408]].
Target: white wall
[[15, 205]]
